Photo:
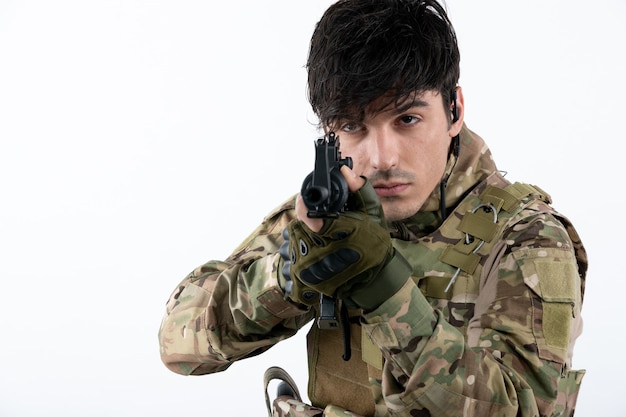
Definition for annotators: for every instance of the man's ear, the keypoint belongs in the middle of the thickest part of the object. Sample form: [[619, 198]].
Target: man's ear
[[457, 108]]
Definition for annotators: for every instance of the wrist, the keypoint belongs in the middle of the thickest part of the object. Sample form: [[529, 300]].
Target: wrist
[[387, 282]]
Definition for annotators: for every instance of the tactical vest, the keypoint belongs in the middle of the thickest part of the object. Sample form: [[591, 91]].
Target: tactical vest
[[448, 265]]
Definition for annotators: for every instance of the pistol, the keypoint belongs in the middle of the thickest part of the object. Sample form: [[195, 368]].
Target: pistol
[[325, 190]]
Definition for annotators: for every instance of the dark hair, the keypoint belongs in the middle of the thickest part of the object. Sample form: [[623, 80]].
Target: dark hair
[[362, 50]]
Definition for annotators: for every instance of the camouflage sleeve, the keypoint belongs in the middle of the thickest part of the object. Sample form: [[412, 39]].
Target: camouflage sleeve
[[229, 310], [518, 343]]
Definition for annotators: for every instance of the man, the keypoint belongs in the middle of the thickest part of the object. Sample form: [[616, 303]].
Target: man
[[460, 292]]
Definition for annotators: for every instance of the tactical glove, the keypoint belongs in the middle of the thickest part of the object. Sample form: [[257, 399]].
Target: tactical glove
[[294, 289], [347, 256]]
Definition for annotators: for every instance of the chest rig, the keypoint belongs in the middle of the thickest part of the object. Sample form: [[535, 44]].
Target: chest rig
[[447, 267]]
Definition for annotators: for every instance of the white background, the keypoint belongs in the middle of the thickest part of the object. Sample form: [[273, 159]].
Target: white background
[[139, 139]]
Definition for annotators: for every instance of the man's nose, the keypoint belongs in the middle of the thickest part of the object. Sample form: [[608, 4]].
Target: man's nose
[[383, 149]]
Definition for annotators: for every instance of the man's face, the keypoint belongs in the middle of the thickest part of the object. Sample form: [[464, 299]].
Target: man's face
[[402, 152]]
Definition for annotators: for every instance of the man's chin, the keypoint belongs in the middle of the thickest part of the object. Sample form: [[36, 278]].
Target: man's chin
[[394, 209]]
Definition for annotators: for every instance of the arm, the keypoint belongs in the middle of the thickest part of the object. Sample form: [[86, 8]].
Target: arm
[[518, 340], [230, 310]]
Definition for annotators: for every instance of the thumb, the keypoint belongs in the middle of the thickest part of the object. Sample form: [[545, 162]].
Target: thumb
[[365, 197], [354, 181]]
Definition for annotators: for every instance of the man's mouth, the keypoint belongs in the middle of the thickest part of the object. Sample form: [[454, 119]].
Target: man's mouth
[[390, 189]]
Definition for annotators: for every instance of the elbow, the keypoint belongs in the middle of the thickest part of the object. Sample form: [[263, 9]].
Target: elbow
[[187, 363], [176, 359], [180, 367], [184, 365], [186, 354]]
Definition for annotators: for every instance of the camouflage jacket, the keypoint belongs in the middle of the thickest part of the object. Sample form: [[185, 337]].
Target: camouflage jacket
[[498, 342]]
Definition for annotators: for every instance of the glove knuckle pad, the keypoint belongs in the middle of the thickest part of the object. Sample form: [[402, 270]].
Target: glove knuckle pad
[[329, 266]]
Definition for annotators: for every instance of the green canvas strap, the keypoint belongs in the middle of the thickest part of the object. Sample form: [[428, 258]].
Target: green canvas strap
[[483, 223]]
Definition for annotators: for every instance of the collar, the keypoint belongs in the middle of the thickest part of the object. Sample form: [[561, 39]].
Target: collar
[[474, 164]]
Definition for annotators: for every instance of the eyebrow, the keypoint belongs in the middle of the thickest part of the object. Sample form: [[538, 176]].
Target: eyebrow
[[405, 106], [416, 103]]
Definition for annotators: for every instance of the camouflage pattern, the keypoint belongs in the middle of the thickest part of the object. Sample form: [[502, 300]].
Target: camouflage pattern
[[498, 343], [285, 406]]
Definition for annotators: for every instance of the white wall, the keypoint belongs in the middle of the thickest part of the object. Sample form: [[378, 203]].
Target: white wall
[[139, 139]]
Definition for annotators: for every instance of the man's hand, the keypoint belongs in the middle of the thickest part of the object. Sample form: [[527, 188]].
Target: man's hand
[[295, 289], [341, 257], [354, 183]]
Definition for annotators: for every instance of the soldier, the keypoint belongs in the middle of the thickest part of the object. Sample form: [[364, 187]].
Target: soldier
[[460, 292]]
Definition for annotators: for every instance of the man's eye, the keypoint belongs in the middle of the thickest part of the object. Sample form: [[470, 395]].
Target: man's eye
[[408, 120], [350, 127]]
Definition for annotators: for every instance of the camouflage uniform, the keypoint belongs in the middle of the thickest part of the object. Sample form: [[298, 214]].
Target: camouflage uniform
[[498, 342]]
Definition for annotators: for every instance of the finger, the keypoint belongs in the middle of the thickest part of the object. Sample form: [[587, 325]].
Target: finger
[[354, 181], [314, 224], [367, 199], [370, 202]]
